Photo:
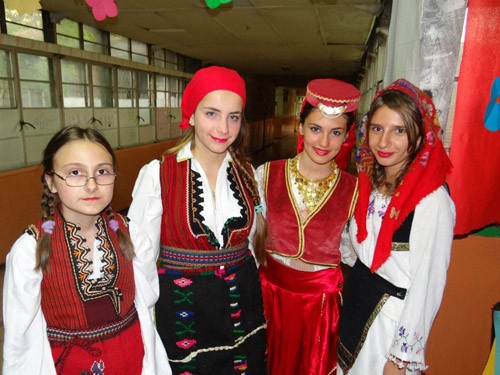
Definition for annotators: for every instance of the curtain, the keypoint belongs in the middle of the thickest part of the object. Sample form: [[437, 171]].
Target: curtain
[[475, 150]]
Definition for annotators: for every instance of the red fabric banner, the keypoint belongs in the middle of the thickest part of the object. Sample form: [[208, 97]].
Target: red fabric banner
[[475, 150]]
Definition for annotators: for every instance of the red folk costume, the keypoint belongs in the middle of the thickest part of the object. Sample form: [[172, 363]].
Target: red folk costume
[[92, 323], [302, 305]]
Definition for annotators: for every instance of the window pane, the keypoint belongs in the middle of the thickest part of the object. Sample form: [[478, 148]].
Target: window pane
[[97, 48], [119, 42], [161, 100], [126, 98], [5, 64], [68, 28], [140, 48], [7, 97], [140, 58], [68, 42], [120, 54], [102, 76], [75, 96], [36, 94], [160, 83], [74, 72], [33, 67], [103, 97], [91, 34], [24, 32], [24, 25], [102, 80], [125, 78]]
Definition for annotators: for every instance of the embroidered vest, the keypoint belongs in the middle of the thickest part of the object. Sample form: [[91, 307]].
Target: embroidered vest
[[317, 239], [182, 221], [70, 299]]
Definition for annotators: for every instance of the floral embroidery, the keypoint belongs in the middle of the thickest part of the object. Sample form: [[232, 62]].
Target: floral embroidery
[[409, 343], [182, 282], [185, 343], [371, 207], [184, 314]]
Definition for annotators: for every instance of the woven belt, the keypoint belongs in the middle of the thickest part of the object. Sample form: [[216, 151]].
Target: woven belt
[[184, 259], [57, 335]]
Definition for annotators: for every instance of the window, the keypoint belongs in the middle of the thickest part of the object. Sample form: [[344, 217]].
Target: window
[[24, 25], [95, 40], [75, 84], [174, 92], [7, 97], [36, 81], [161, 91], [126, 89], [120, 46], [140, 52], [68, 33], [145, 94], [102, 81]]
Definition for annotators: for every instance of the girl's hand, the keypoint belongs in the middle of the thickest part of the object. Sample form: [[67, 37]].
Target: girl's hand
[[391, 368]]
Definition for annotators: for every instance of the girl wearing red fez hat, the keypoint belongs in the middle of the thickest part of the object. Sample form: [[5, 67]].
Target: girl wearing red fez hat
[[309, 200], [401, 232], [196, 213]]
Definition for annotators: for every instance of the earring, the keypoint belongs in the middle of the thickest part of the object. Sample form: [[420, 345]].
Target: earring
[[191, 121]]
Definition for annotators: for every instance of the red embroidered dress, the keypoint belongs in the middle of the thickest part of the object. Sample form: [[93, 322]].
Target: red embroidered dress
[[86, 315]]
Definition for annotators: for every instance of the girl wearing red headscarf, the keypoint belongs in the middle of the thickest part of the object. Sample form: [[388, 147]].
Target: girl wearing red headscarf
[[309, 200], [401, 232], [196, 212]]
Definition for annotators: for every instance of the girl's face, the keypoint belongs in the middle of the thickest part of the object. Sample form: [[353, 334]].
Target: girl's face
[[217, 122], [388, 140], [323, 137], [77, 158]]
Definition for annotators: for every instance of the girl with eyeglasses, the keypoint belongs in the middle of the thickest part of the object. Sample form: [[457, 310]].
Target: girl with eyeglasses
[[71, 304]]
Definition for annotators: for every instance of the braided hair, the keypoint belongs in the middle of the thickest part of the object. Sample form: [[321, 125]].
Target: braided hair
[[48, 204]]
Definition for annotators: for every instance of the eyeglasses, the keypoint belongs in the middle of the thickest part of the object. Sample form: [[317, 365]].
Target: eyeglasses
[[81, 180]]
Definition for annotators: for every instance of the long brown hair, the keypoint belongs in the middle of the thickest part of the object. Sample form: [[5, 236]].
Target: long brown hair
[[406, 107], [49, 200]]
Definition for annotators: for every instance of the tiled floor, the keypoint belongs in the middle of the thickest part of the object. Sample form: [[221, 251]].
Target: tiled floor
[[281, 148]]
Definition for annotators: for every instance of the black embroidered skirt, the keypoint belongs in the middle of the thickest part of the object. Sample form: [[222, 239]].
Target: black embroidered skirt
[[212, 322]]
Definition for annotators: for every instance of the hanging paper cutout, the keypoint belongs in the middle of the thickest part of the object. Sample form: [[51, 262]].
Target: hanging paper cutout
[[212, 4], [492, 113], [23, 6], [103, 8]]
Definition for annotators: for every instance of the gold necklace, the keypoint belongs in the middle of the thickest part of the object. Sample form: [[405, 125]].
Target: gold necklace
[[312, 191]]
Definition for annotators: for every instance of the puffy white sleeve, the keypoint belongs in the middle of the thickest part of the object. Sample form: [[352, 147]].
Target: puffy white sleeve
[[258, 179], [430, 246], [347, 252], [259, 176], [26, 348], [145, 223]]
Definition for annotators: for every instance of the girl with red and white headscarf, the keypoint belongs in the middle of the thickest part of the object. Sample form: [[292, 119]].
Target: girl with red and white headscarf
[[401, 233], [196, 212]]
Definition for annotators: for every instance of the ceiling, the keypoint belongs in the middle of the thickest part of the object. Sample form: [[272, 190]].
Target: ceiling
[[285, 41]]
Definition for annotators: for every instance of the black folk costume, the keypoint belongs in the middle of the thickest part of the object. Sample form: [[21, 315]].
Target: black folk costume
[[210, 312]]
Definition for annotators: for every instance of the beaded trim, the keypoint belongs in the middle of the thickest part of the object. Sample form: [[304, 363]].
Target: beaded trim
[[100, 333]]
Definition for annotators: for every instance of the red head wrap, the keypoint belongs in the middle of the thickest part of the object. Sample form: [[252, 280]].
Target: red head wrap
[[333, 98], [426, 173], [204, 82]]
